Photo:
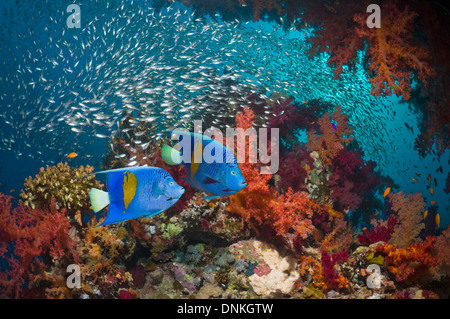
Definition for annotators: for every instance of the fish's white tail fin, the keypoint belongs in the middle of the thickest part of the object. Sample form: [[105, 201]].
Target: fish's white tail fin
[[170, 155], [99, 199]]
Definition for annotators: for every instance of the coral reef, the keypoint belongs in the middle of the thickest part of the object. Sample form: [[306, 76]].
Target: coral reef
[[287, 235], [36, 246], [409, 209], [58, 182], [332, 138]]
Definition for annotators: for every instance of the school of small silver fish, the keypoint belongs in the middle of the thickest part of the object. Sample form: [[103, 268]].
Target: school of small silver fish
[[69, 90]]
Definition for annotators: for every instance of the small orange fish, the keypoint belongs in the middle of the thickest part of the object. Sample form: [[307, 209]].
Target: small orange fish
[[386, 192], [438, 221], [425, 214], [72, 155], [12, 190], [211, 204], [431, 191], [433, 202], [414, 180], [376, 213], [304, 102], [364, 228], [429, 178]]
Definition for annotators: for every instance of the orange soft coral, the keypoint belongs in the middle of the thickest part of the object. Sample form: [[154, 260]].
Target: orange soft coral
[[332, 140], [251, 203], [409, 209], [393, 53], [406, 262], [292, 212]]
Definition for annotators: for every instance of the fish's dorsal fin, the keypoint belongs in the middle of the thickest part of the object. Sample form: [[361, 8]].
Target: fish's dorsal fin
[[123, 169]]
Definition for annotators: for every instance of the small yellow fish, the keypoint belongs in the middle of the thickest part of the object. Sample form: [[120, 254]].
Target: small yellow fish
[[304, 102], [438, 221], [386, 192], [414, 180], [425, 214], [433, 202], [376, 213], [431, 191], [72, 155]]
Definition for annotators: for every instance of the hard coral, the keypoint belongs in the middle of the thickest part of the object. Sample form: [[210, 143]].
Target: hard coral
[[58, 182]]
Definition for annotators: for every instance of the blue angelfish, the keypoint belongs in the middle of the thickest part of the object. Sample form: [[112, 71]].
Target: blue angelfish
[[135, 192], [211, 166]]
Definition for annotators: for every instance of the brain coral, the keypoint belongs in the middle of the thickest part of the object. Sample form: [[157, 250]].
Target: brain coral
[[58, 182]]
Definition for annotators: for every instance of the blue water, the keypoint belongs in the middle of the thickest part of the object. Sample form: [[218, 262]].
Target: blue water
[[267, 58]]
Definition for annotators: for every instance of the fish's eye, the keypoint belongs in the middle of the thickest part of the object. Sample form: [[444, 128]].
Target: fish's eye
[[233, 173], [171, 183]]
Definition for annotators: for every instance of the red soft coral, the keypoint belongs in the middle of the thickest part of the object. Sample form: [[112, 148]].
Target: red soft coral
[[32, 236], [294, 168], [352, 179], [381, 232], [260, 5], [251, 202], [333, 279]]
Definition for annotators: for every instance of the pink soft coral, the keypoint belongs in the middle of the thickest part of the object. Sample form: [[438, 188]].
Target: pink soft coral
[[409, 209]]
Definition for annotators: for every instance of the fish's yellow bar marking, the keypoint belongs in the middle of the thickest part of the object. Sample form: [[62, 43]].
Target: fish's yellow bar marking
[[129, 188], [196, 156]]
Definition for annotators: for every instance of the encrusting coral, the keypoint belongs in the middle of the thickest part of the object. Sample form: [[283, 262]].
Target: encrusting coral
[[58, 182]]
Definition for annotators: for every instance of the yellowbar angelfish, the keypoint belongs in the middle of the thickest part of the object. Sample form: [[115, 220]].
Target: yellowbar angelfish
[[135, 192]]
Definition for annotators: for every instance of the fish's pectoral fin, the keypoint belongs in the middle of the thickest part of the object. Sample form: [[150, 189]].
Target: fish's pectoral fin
[[209, 180], [156, 189]]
